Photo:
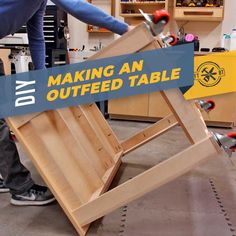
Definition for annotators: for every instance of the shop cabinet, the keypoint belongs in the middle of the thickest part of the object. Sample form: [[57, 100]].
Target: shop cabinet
[[151, 107], [213, 13], [146, 107], [133, 107], [224, 114]]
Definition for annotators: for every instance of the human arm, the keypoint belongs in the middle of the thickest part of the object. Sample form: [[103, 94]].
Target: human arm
[[88, 13]]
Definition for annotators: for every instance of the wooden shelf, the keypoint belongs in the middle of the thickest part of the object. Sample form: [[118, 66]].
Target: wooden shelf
[[131, 15], [130, 10], [198, 13], [98, 30], [142, 3]]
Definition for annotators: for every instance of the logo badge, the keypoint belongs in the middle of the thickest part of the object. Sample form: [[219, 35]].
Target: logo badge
[[209, 74]]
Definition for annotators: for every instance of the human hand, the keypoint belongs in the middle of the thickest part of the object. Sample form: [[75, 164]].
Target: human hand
[[130, 27]]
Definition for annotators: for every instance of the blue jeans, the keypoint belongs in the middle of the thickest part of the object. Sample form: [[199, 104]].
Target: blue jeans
[[16, 177]]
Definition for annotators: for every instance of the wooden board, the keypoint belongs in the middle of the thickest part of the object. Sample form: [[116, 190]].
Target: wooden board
[[74, 153]]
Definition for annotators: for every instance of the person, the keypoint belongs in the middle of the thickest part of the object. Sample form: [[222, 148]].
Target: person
[[15, 13]]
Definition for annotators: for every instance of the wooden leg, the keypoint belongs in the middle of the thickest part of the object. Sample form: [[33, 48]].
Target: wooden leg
[[187, 114], [149, 133], [145, 182]]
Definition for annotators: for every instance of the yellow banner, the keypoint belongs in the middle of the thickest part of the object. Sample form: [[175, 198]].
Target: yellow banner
[[213, 74]]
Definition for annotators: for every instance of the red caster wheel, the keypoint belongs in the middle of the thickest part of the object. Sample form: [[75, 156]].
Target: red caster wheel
[[160, 15], [212, 105], [174, 40], [232, 135], [208, 105]]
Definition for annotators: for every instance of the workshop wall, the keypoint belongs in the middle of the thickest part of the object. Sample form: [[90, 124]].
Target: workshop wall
[[210, 33], [80, 36]]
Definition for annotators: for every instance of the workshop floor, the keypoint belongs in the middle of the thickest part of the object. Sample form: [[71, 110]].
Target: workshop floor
[[200, 203]]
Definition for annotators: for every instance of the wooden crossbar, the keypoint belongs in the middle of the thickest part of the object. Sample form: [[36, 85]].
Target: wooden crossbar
[[151, 179], [148, 134]]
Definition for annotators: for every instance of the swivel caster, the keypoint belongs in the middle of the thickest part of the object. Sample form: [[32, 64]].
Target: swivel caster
[[207, 105], [227, 142]]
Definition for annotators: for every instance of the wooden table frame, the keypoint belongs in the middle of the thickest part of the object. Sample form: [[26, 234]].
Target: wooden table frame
[[78, 155]]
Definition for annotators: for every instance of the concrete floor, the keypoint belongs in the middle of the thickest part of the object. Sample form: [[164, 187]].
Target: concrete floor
[[200, 203]]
